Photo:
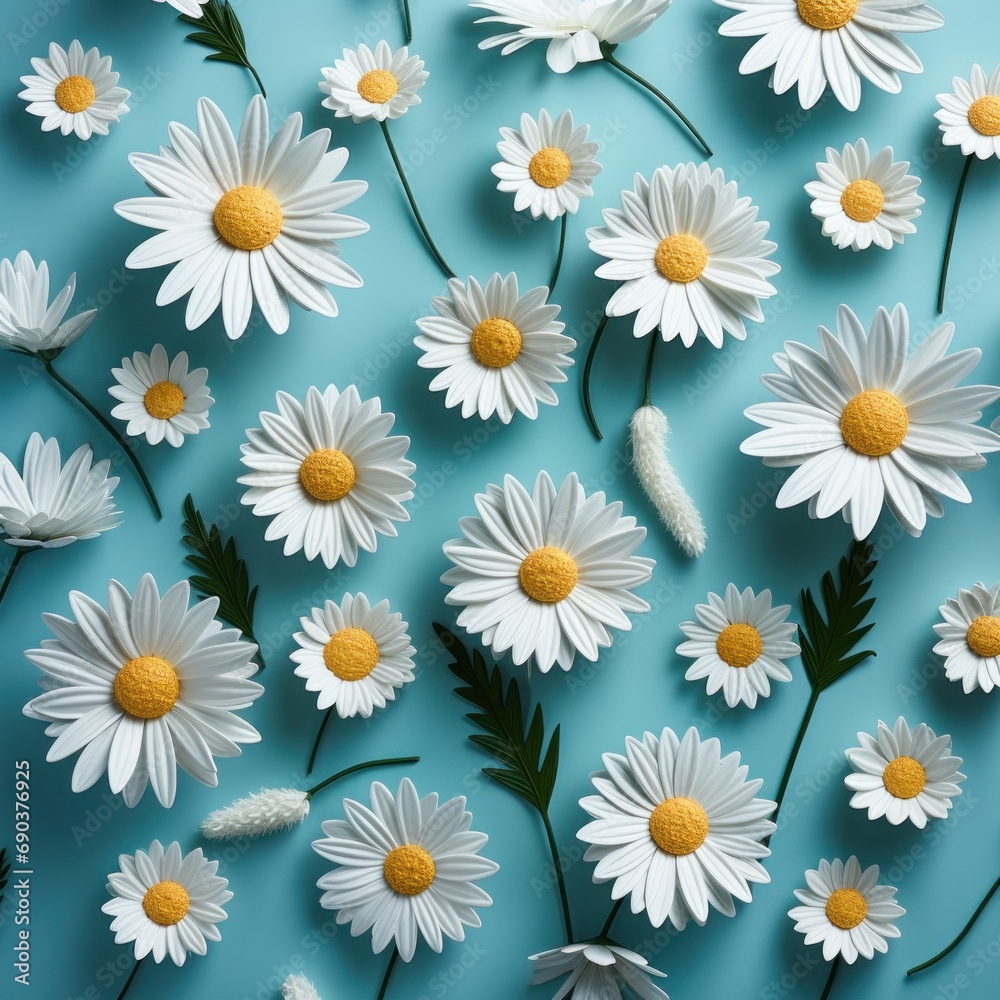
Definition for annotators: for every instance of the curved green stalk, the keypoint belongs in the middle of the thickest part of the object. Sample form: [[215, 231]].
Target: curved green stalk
[[384, 761], [951, 231], [588, 366], [559, 255]]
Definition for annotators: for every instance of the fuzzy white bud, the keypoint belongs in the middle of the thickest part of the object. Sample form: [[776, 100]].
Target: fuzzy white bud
[[266, 811], [298, 988]]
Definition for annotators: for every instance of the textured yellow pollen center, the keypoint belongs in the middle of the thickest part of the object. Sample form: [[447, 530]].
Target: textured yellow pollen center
[[351, 654], [739, 644], [681, 258], [163, 400], [827, 14], [409, 870], [548, 574], [983, 636], [846, 908], [874, 423], [984, 115], [75, 94], [147, 687], [378, 86], [327, 474], [862, 200], [904, 777], [248, 217], [495, 342], [678, 826], [166, 903], [550, 167]]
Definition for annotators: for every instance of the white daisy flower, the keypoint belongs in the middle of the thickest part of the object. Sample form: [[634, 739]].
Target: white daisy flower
[[548, 165], [903, 776], [500, 352], [245, 221], [970, 115], [330, 472], [165, 903], [190, 7], [970, 637], [142, 688], [689, 254], [597, 971], [298, 988], [74, 91], [353, 655], [866, 424], [546, 574], [820, 43], [739, 643], [161, 398], [863, 199], [27, 322], [365, 84], [847, 910], [407, 867], [678, 826]]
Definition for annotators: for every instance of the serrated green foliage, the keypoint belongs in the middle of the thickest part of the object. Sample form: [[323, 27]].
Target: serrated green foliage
[[4, 871], [219, 29]]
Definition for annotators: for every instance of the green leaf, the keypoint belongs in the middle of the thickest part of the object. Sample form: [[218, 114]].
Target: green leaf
[[4, 871], [221, 572], [220, 29]]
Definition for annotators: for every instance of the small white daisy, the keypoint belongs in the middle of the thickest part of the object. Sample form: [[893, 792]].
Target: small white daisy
[[903, 776], [167, 904], [298, 988], [365, 84], [677, 826], [354, 655], [739, 643], [329, 474], [500, 352], [74, 91], [597, 971], [970, 637], [190, 7], [406, 869], [847, 910], [863, 199], [161, 398], [970, 115]]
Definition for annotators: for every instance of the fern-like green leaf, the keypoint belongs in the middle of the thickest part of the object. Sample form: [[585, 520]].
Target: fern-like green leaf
[[219, 29], [4, 871]]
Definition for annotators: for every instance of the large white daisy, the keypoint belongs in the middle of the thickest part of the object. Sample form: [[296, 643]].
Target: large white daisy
[[866, 424], [142, 688], [689, 253], [365, 84], [820, 43], [597, 971], [970, 637], [500, 352], [546, 574], [406, 868], [329, 474], [247, 220], [970, 115]]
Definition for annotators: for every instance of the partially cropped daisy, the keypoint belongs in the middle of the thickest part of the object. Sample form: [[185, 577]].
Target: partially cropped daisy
[[868, 423], [74, 91], [190, 7], [835, 43], [143, 688], [689, 253], [970, 637], [903, 775], [678, 826], [247, 221], [407, 868], [970, 115], [597, 971], [161, 398], [365, 84], [328, 473], [740, 644], [298, 988], [168, 904], [500, 352], [847, 910], [863, 199], [546, 574]]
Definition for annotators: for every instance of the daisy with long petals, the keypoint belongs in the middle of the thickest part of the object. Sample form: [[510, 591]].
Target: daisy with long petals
[[969, 635], [597, 971]]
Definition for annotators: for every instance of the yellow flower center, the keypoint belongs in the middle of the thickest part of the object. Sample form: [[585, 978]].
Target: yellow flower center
[[495, 342], [409, 870], [827, 14], [75, 94], [678, 826], [351, 654], [166, 903], [862, 200], [548, 574], [327, 474], [874, 423], [681, 258], [739, 644], [983, 636], [378, 86], [248, 217], [550, 167], [904, 777], [163, 400], [147, 687], [984, 115], [846, 908]]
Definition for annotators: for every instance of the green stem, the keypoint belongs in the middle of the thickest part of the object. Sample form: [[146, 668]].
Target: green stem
[[407, 23], [108, 426], [834, 965], [319, 736], [19, 554], [560, 881], [789, 767], [951, 231], [384, 761], [260, 85], [388, 973], [965, 930], [588, 408], [559, 255], [128, 982], [606, 929], [653, 338], [413, 204]]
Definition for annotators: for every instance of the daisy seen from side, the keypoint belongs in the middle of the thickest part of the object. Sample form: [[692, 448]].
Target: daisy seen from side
[[597, 971]]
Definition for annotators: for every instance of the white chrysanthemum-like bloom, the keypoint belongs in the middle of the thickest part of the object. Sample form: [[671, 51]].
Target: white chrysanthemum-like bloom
[[298, 988], [263, 812], [970, 115], [970, 637], [365, 84], [597, 971], [190, 7]]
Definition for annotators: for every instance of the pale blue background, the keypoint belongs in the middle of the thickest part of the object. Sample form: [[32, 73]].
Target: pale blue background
[[57, 202]]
